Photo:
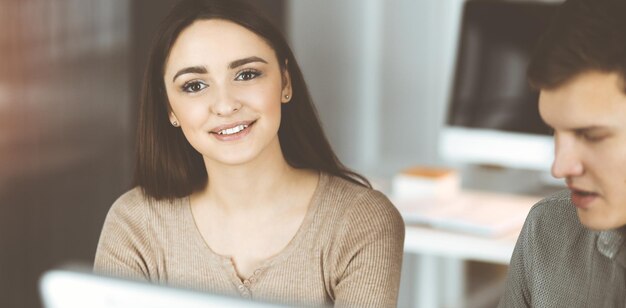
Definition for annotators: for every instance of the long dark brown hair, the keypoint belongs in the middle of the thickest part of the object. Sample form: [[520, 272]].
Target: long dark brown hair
[[167, 166]]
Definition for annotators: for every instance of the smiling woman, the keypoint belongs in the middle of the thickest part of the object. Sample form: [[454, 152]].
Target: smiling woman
[[238, 190], [227, 100]]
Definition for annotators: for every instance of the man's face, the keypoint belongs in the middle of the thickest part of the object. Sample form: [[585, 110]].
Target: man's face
[[588, 115]]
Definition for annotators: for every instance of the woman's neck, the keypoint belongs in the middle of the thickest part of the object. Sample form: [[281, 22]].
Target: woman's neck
[[251, 186]]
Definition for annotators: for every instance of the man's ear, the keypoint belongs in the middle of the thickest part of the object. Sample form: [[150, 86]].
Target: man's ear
[[287, 92]]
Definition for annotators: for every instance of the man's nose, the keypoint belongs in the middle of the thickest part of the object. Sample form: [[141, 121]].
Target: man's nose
[[567, 162]]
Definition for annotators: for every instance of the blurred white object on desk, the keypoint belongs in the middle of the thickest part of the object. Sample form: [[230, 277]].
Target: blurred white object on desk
[[426, 182]]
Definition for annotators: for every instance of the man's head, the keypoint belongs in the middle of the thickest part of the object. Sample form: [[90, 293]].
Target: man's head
[[580, 69]]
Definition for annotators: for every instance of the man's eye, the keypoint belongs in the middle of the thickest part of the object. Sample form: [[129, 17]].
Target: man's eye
[[593, 137], [247, 75], [194, 86]]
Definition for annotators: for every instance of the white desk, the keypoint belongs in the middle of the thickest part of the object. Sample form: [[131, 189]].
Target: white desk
[[441, 260], [430, 241]]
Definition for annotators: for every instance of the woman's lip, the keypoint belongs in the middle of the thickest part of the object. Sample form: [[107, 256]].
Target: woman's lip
[[237, 136], [217, 129]]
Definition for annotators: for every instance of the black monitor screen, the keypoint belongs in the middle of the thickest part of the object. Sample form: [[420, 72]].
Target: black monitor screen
[[490, 88]]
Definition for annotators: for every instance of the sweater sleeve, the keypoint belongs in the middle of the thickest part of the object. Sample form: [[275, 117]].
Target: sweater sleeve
[[123, 248], [369, 254]]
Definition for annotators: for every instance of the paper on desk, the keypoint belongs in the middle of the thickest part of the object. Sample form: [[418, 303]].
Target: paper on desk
[[478, 213]]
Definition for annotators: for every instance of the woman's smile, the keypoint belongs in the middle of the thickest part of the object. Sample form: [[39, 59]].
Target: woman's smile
[[232, 132]]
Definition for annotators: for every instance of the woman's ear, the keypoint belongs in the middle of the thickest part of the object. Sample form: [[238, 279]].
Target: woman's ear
[[173, 119], [287, 92]]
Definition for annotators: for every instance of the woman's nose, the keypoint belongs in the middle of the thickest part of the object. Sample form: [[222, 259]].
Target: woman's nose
[[225, 102]]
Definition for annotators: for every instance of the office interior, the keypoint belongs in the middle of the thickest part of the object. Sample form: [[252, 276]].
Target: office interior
[[379, 71]]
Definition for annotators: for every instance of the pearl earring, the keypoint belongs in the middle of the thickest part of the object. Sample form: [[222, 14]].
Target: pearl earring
[[175, 123], [286, 96]]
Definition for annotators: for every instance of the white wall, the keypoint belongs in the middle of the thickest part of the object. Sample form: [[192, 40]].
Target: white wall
[[379, 73]]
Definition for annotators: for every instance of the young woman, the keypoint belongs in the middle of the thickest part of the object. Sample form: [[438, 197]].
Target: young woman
[[238, 191]]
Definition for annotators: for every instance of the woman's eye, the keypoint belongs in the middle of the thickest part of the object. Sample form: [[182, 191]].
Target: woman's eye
[[247, 75], [194, 86]]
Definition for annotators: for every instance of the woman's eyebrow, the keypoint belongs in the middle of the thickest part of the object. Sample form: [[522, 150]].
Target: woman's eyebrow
[[203, 70], [244, 61], [191, 69]]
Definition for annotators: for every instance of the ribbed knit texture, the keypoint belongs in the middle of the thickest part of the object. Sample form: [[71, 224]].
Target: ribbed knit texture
[[557, 262], [347, 252]]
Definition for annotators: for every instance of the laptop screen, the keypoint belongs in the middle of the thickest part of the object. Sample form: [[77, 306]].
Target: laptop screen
[[77, 289]]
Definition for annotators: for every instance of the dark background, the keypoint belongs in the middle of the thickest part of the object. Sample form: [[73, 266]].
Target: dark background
[[496, 43], [70, 75]]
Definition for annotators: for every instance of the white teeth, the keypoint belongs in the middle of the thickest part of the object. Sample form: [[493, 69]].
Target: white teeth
[[234, 130]]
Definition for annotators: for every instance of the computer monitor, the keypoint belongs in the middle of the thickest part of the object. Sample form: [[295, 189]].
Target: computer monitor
[[493, 116], [64, 288]]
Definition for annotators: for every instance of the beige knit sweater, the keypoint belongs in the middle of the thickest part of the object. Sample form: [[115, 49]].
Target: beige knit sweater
[[347, 252]]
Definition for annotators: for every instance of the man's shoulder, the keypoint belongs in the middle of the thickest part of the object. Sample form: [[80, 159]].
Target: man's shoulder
[[553, 249], [556, 209], [552, 224]]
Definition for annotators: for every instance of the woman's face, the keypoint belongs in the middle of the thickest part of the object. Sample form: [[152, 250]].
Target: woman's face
[[225, 89]]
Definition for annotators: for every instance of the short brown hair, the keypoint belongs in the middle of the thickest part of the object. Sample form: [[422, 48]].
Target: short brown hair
[[585, 35]]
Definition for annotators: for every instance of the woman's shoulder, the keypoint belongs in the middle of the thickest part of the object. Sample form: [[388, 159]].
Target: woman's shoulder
[[134, 204], [356, 218], [132, 200], [336, 187], [356, 203], [129, 207], [132, 196]]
